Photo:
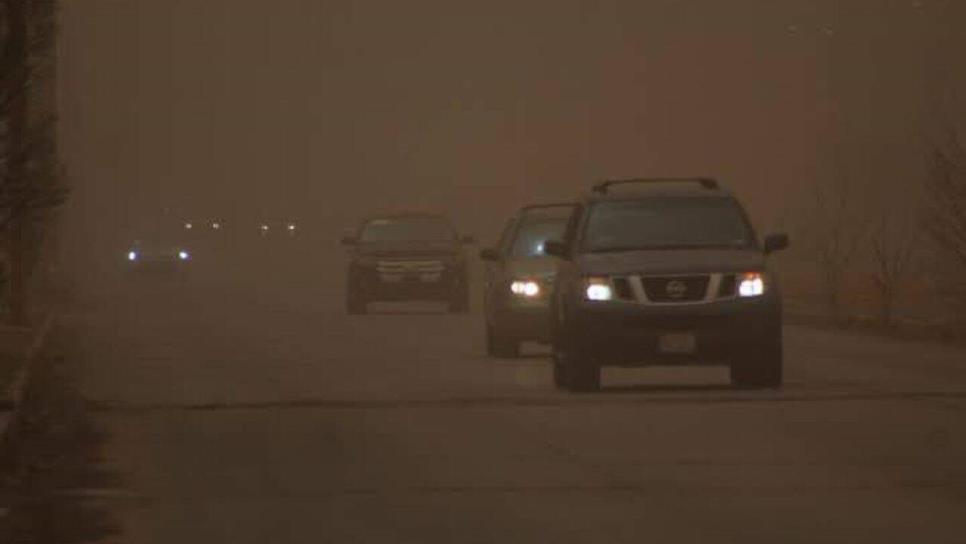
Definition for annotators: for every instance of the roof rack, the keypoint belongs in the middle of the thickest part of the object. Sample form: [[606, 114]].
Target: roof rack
[[707, 183]]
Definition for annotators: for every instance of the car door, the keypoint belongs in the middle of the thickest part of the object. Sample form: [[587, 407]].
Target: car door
[[495, 271]]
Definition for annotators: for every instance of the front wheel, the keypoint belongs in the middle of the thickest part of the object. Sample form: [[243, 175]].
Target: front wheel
[[760, 367], [574, 369]]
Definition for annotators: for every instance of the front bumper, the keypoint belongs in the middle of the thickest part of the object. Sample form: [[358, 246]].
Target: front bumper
[[625, 334], [374, 286]]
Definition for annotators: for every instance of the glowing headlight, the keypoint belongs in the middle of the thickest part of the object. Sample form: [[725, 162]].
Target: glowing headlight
[[216, 225], [525, 288], [598, 289], [291, 226], [184, 255], [188, 226], [132, 256], [751, 284]]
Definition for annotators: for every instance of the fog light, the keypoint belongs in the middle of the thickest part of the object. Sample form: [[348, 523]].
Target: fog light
[[751, 284]]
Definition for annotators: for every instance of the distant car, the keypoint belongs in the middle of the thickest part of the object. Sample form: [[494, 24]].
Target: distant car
[[274, 228], [519, 279], [412, 256], [665, 272], [155, 255]]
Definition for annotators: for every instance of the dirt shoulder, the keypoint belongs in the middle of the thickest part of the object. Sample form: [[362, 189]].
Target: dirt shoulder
[[51, 449]]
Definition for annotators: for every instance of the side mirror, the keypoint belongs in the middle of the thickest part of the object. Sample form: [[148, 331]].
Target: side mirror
[[490, 254], [468, 239], [555, 248], [349, 240], [775, 242]]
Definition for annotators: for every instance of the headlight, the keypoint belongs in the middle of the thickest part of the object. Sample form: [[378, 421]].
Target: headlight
[[751, 284], [598, 289], [132, 256], [525, 288], [184, 255]]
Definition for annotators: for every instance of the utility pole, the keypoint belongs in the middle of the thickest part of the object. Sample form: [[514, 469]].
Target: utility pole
[[17, 119]]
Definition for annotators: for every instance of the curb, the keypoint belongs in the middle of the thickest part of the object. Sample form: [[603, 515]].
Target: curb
[[12, 397]]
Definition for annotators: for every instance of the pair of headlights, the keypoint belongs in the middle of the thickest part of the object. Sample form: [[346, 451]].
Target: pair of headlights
[[182, 255], [749, 284], [525, 288]]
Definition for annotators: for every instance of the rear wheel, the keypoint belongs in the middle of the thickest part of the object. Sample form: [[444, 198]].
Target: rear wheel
[[501, 345], [759, 367]]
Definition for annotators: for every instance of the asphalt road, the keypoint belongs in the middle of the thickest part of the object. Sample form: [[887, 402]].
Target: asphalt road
[[249, 408]]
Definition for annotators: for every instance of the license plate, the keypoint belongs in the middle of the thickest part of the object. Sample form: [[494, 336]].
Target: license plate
[[429, 278], [677, 343], [391, 278]]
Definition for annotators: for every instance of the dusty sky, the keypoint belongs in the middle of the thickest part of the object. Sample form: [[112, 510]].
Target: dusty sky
[[328, 109]]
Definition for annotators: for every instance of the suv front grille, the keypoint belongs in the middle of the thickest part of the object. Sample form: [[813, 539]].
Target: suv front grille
[[676, 288], [671, 290]]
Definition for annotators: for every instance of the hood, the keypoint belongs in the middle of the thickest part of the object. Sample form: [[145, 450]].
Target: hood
[[390, 249], [679, 261], [533, 267]]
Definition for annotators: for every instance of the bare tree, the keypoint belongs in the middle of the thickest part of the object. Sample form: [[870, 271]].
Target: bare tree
[[893, 243], [946, 197], [30, 173], [835, 235]]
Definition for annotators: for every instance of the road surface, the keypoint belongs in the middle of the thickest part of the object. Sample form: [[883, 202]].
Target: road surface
[[250, 409]]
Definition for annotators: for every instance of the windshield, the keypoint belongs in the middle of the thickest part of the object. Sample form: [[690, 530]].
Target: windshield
[[421, 229], [667, 223], [532, 234]]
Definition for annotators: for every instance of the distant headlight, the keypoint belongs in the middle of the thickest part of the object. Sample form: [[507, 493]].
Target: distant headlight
[[525, 288], [751, 284], [291, 227], [184, 255], [598, 289], [132, 256]]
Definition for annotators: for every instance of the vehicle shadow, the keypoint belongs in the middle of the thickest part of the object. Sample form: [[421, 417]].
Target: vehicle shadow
[[670, 388]]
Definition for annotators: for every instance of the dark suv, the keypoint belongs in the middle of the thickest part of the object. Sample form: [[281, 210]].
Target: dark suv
[[519, 278], [664, 271], [411, 256]]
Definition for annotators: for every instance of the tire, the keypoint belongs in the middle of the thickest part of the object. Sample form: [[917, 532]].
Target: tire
[[500, 345], [583, 375], [355, 304], [760, 367], [575, 370]]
